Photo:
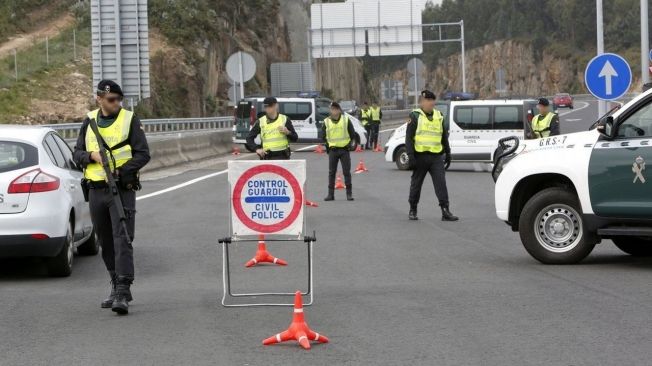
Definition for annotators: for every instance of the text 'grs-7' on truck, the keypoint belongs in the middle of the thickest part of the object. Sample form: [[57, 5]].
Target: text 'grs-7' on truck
[[564, 194]]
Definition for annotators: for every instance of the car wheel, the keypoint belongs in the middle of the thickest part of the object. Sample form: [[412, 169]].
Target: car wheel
[[248, 148], [402, 159], [61, 265], [638, 247], [552, 229], [91, 246]]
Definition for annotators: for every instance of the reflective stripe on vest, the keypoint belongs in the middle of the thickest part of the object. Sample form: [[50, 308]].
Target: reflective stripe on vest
[[429, 132], [337, 134], [273, 139], [375, 113], [541, 126], [115, 134]]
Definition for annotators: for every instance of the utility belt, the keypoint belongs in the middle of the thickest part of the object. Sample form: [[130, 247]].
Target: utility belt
[[346, 148], [126, 182], [281, 153]]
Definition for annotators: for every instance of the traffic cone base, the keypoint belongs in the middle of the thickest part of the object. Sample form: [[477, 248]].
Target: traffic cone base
[[298, 330], [378, 148], [338, 183], [263, 256], [236, 151], [311, 204], [361, 168], [319, 149], [358, 149]]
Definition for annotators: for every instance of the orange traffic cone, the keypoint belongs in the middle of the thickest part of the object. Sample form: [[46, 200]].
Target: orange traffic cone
[[311, 204], [263, 256], [298, 330], [378, 148], [319, 149], [358, 149], [236, 151], [338, 183], [361, 168]]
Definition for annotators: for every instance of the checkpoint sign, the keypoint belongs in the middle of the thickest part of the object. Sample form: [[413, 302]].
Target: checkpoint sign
[[608, 76], [267, 197]]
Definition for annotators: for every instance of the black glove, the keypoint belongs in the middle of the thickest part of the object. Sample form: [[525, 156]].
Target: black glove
[[447, 161], [412, 161]]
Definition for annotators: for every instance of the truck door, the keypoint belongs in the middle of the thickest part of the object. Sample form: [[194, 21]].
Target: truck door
[[620, 171]]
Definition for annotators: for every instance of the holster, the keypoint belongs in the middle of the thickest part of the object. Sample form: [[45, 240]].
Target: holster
[[85, 186]]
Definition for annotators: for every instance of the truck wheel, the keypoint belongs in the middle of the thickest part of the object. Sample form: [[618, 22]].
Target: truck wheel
[[61, 265], [402, 159], [638, 247], [552, 229]]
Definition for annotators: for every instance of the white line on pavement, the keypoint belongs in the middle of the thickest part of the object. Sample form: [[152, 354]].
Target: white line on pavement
[[586, 105], [182, 185]]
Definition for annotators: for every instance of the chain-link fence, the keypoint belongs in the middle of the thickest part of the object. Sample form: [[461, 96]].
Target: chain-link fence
[[44, 53]]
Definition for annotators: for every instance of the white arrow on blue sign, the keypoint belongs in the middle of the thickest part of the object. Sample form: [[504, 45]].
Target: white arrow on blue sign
[[608, 76]]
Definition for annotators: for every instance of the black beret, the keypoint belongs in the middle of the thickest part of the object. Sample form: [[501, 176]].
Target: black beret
[[336, 105], [109, 86], [544, 102], [427, 94], [269, 101]]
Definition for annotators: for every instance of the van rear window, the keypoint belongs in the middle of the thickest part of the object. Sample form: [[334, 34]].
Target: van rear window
[[16, 155]]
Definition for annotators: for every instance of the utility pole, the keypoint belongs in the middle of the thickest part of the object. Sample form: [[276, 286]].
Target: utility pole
[[464, 57], [645, 42], [602, 105]]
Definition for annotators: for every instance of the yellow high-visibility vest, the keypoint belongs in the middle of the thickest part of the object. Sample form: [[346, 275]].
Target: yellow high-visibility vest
[[113, 135], [429, 132], [541, 126], [272, 138], [375, 113], [366, 116], [337, 134]]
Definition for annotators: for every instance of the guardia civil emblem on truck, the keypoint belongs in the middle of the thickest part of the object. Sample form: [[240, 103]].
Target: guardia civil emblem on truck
[[637, 168]]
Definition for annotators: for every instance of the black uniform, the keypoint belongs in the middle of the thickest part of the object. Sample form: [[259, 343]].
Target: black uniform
[[272, 155], [374, 127], [426, 162], [117, 253], [339, 154]]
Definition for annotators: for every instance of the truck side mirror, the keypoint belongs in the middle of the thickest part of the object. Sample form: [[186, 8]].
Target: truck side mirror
[[606, 127]]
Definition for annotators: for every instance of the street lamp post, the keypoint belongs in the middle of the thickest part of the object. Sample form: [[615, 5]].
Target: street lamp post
[[602, 105], [645, 42]]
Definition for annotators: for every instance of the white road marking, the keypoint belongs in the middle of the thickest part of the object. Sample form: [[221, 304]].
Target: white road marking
[[182, 185], [573, 119], [586, 105]]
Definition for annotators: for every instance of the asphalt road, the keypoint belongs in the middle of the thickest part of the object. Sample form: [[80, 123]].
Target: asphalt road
[[388, 291]]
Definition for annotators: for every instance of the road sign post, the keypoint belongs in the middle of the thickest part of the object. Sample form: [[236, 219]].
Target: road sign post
[[608, 76], [241, 67]]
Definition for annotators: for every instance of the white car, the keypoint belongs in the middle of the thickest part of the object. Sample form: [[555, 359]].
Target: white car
[[566, 193], [307, 115], [42, 207], [474, 126]]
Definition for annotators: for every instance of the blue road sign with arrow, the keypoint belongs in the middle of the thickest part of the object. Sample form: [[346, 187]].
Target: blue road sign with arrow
[[608, 76]]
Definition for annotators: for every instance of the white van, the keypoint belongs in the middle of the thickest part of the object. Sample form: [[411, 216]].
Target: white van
[[307, 115], [475, 127]]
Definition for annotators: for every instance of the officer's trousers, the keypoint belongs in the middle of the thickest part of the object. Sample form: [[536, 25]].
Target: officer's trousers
[[375, 132], [117, 252], [433, 164], [367, 128], [336, 155]]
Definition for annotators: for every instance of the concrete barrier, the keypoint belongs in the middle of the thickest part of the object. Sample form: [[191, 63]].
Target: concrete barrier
[[173, 150]]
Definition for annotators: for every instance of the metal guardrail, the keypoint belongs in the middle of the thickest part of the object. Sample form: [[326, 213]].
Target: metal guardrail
[[157, 126]]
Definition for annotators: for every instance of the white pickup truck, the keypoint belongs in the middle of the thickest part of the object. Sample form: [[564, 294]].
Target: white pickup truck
[[564, 194]]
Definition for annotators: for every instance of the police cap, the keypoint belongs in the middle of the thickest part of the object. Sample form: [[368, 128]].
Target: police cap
[[108, 86], [427, 94], [269, 101], [336, 105], [544, 102]]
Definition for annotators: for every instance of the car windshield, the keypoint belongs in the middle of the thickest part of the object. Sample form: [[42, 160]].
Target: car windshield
[[16, 155]]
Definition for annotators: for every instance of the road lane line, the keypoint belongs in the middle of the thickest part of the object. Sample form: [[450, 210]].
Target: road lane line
[[586, 105], [181, 185]]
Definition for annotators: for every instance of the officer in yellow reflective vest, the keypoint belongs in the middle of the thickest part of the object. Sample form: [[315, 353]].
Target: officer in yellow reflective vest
[[428, 151], [276, 132], [365, 117], [546, 123], [376, 117], [128, 152], [338, 133]]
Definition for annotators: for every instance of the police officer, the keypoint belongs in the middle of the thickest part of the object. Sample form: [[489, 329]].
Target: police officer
[[276, 132], [338, 133], [546, 123], [126, 145], [365, 117], [428, 151], [376, 117]]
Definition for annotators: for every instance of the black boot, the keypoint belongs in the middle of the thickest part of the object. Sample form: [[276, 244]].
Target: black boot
[[447, 215], [349, 193], [108, 302], [331, 195], [413, 213], [121, 303]]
